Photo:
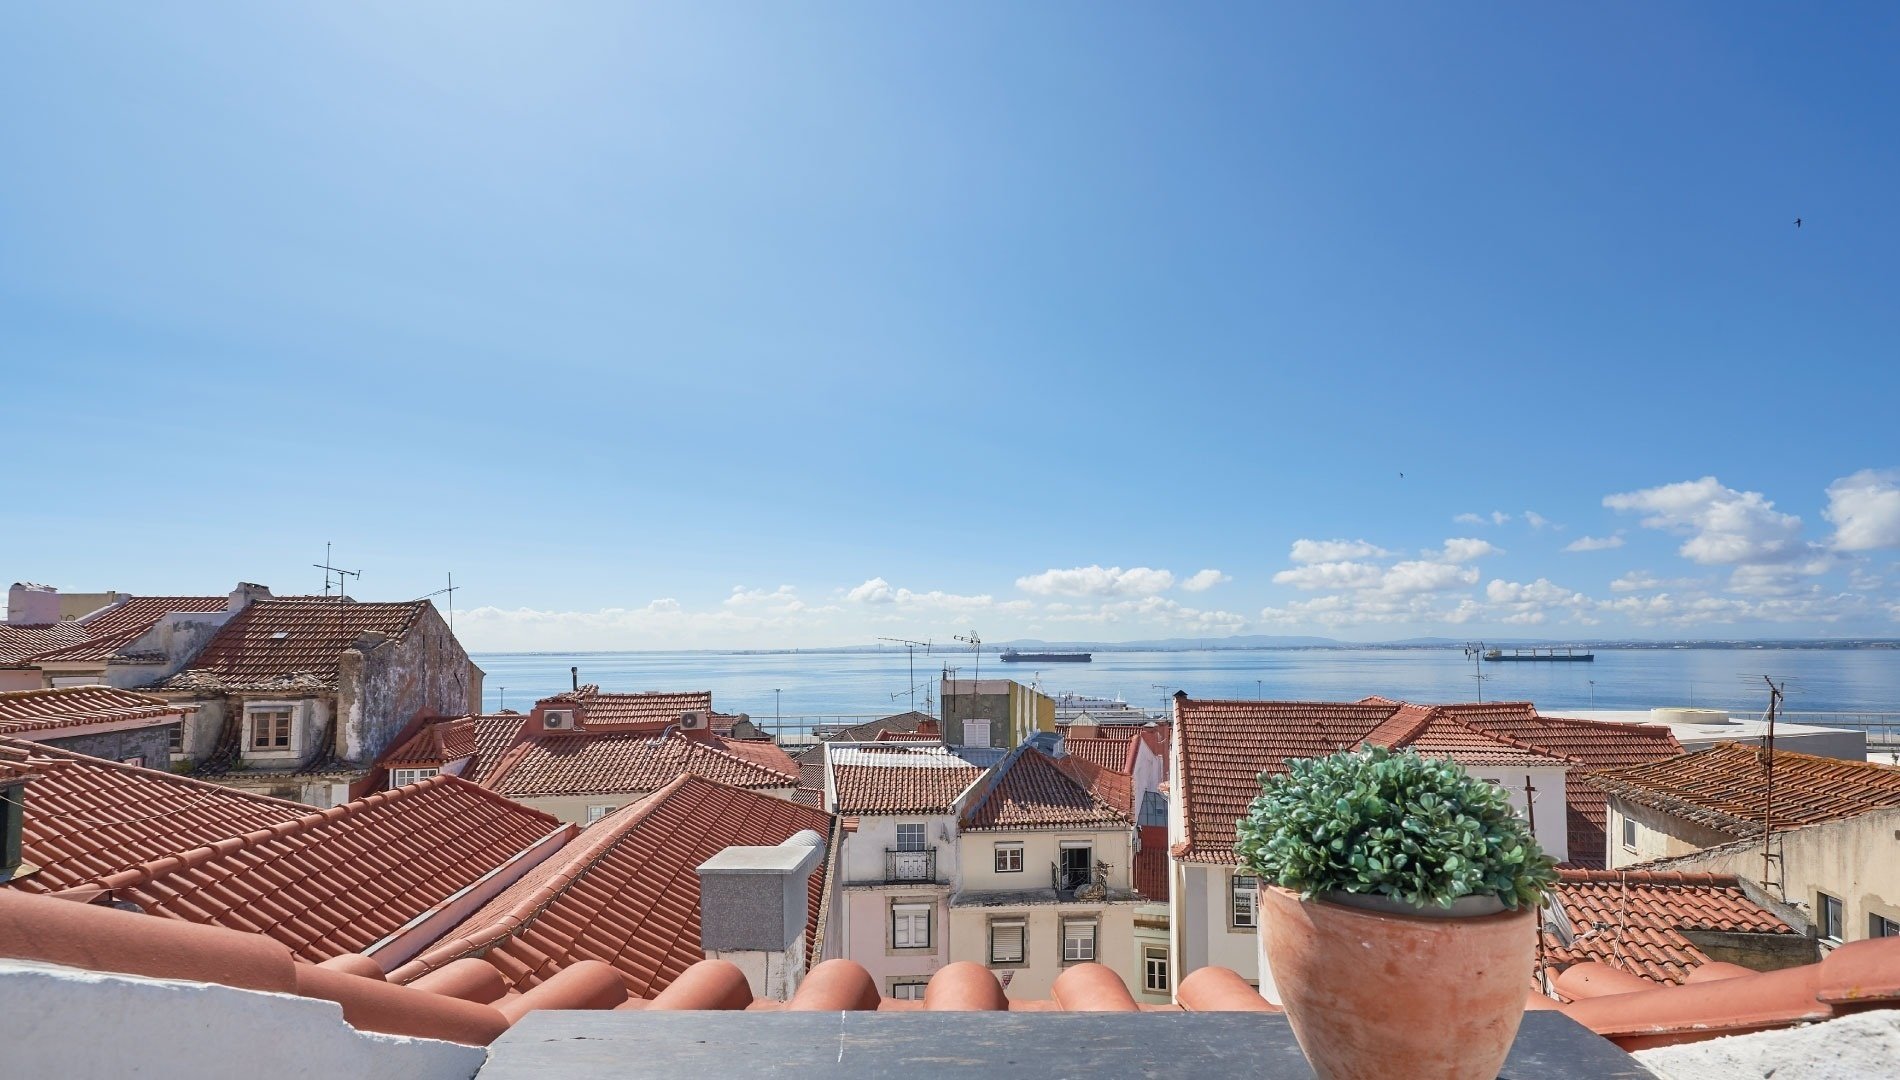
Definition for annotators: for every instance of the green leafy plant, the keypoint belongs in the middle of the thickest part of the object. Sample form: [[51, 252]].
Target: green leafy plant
[[1420, 830]]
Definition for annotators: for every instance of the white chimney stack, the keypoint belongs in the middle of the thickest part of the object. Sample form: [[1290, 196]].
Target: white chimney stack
[[32, 605]]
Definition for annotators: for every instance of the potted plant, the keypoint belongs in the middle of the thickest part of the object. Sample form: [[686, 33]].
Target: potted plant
[[1398, 899]]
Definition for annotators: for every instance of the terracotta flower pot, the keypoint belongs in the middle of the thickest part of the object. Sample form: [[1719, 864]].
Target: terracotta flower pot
[[1372, 994]]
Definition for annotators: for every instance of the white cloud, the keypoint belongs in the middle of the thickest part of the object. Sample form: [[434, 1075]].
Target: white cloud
[[1865, 510], [1318, 551], [1205, 580], [1157, 611], [1725, 527], [783, 598], [879, 591], [1536, 520], [1331, 575], [1495, 517], [1098, 581], [1595, 543], [1468, 519], [1464, 549], [1420, 576]]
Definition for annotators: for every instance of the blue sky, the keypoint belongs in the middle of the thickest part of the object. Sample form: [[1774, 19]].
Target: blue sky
[[682, 325]]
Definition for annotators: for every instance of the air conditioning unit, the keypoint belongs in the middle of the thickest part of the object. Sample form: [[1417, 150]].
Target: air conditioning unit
[[693, 720], [557, 718]]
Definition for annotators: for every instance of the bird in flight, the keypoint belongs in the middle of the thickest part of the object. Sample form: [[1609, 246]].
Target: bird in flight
[[1797, 223]]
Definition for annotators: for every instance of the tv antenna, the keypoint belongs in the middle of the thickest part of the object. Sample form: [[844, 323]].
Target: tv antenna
[[338, 571], [448, 592], [1474, 652], [911, 648], [976, 646], [1768, 855]]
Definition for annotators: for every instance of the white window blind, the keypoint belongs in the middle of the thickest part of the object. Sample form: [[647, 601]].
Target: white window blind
[[1078, 940], [1006, 943], [910, 926], [976, 733]]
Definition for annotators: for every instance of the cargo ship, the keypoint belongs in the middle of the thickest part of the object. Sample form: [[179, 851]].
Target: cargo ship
[[1011, 656], [1498, 656]]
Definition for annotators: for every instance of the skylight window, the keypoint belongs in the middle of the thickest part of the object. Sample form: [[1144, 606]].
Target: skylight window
[[280, 635]]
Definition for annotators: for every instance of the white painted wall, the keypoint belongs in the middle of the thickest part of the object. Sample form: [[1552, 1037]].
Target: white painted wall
[[60, 1021]]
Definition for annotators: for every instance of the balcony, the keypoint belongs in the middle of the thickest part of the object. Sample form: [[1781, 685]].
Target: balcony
[[901, 866]]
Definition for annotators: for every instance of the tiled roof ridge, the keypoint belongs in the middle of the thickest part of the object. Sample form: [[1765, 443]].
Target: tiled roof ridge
[[706, 747], [1640, 874], [1632, 782], [160, 867], [1406, 723], [41, 756], [1509, 740], [1092, 778], [577, 858]]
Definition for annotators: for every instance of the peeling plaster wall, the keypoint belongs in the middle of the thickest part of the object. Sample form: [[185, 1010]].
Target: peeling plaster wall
[[179, 636], [383, 685], [150, 744]]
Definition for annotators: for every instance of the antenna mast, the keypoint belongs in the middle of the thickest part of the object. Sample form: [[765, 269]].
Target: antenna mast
[[911, 648], [1768, 801], [339, 572], [448, 592]]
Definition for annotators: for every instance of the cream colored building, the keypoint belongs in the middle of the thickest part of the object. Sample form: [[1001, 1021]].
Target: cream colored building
[[1046, 853]]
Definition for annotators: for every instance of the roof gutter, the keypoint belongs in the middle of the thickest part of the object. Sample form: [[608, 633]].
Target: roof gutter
[[412, 937]]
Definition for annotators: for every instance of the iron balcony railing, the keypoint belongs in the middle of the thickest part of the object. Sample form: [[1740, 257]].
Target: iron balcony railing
[[900, 865]]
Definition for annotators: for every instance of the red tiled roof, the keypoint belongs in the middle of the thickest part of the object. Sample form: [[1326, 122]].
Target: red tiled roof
[[495, 733], [1031, 790], [1633, 920], [626, 892], [116, 627], [1725, 787], [23, 711], [869, 730], [87, 817], [340, 880], [655, 708], [885, 782], [906, 736], [437, 742], [1226, 745], [766, 755], [1109, 752], [627, 762], [283, 641], [19, 644], [1597, 744]]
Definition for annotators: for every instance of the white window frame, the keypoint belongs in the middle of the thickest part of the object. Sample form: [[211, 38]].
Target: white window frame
[[909, 989], [972, 728], [1078, 940], [175, 739], [1629, 833], [1009, 857], [1021, 926], [253, 712], [910, 926], [404, 777], [1822, 904], [1243, 906], [922, 832], [1155, 969], [1879, 926], [596, 812]]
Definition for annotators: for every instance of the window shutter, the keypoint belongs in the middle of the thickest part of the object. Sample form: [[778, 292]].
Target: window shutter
[[1006, 943]]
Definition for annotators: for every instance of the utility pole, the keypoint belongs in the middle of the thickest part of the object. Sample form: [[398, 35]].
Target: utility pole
[[1768, 800]]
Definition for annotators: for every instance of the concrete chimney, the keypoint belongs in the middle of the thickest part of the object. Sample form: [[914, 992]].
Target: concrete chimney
[[754, 903], [245, 595], [32, 605]]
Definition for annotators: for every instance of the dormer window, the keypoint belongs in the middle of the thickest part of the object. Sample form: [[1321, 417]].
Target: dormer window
[[271, 727]]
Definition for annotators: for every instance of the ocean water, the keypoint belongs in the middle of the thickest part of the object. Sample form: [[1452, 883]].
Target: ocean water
[[877, 682]]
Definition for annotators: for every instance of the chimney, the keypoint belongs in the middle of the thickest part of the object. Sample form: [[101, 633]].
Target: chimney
[[245, 595], [754, 903], [32, 605], [575, 674]]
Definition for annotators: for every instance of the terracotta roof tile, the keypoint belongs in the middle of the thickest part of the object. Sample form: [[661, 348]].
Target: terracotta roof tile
[[291, 641], [495, 734], [116, 627], [23, 711], [1110, 752], [87, 817], [1226, 745], [1031, 790], [437, 742], [627, 762], [19, 644], [626, 892], [899, 778], [869, 730], [339, 880], [1725, 787], [655, 709], [1634, 920]]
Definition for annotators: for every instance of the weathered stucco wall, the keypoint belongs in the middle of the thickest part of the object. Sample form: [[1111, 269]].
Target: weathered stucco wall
[[149, 744], [384, 684], [1659, 835]]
